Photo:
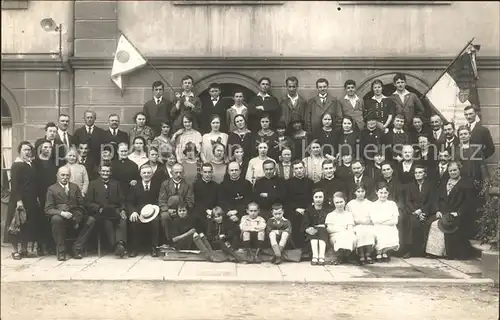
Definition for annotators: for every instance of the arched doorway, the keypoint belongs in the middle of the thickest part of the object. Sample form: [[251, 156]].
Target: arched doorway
[[228, 90], [6, 126], [389, 88]]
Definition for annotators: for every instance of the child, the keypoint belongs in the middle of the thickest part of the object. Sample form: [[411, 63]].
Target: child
[[339, 224], [360, 208], [236, 109], [352, 105], [266, 134], [252, 228], [223, 232], [284, 169], [181, 231], [313, 225], [238, 156], [384, 214], [278, 227], [314, 162], [78, 171]]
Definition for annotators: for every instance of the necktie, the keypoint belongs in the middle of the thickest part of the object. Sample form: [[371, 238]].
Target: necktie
[[435, 135], [65, 141], [469, 126], [420, 187], [89, 130], [176, 188], [146, 187], [441, 171], [66, 190], [114, 132], [158, 101]]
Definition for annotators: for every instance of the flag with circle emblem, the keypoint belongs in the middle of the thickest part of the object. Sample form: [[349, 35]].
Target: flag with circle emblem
[[127, 59]]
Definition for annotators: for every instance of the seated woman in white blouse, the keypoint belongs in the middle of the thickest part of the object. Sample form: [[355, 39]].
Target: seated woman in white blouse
[[139, 153]]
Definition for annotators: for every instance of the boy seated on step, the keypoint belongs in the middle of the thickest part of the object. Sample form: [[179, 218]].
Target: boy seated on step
[[223, 233], [279, 229], [181, 229], [253, 228]]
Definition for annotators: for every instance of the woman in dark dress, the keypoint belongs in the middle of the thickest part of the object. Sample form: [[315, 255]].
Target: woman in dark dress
[[46, 171], [326, 136], [300, 139], [23, 196], [314, 227], [383, 107], [349, 139], [417, 128], [241, 137]]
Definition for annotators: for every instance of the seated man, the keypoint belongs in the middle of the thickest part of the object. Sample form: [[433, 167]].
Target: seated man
[[223, 232], [106, 203], [279, 229], [141, 194], [269, 189], [64, 206], [235, 192], [253, 228]]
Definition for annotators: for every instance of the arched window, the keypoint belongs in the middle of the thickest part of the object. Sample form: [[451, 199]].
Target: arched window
[[6, 148]]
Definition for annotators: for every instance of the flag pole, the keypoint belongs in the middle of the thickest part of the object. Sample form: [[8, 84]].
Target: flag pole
[[148, 63], [448, 67]]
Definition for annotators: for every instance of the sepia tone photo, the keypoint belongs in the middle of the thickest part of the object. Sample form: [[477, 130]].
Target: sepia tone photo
[[250, 159]]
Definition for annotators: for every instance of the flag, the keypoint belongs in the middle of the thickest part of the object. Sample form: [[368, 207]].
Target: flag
[[127, 59], [456, 88]]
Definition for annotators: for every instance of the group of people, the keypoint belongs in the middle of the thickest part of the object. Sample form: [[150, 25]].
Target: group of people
[[366, 178]]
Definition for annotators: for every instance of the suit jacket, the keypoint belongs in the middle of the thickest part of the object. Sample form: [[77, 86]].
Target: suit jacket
[[415, 199], [410, 107], [95, 140], [208, 109], [137, 197], [289, 112], [62, 148], [449, 145], [178, 114], [356, 113], [481, 135], [167, 190], [367, 182], [439, 140], [405, 177], [57, 200], [455, 201], [394, 147], [155, 114], [121, 136], [98, 196], [271, 106], [316, 110]]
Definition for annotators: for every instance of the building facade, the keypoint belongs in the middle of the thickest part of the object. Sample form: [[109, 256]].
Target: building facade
[[46, 73]]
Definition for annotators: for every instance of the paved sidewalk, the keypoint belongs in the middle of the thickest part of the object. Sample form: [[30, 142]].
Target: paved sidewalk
[[415, 271]]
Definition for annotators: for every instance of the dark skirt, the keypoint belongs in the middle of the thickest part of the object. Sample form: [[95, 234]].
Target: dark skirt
[[29, 230], [322, 234]]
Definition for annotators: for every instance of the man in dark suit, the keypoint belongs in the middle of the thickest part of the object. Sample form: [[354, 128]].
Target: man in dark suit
[[395, 138], [91, 134], [64, 140], [293, 105], [359, 178], [141, 194], [171, 187], [213, 105], [106, 203], [185, 103], [321, 104], [451, 140], [114, 136], [438, 134], [418, 205], [50, 135], [89, 162], [65, 207], [261, 104], [157, 110], [480, 135]]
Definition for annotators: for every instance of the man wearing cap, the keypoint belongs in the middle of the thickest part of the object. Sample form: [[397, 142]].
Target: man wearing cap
[[142, 198], [235, 192], [64, 206], [106, 203]]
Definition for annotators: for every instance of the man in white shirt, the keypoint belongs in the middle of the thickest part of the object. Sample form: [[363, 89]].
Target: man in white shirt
[[437, 130]]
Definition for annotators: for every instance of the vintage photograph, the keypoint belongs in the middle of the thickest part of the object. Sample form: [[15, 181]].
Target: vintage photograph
[[250, 160]]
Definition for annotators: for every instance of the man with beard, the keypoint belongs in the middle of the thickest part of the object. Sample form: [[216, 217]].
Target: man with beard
[[235, 192]]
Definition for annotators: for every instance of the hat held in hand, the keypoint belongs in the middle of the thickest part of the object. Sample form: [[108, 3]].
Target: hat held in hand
[[448, 223], [148, 213]]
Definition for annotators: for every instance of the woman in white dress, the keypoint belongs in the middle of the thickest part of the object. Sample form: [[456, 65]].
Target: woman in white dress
[[384, 215], [185, 135], [139, 153], [360, 208], [79, 174], [339, 224], [255, 170], [314, 162], [210, 139], [218, 162]]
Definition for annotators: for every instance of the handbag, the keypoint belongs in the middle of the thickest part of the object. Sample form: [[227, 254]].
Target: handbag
[[18, 219]]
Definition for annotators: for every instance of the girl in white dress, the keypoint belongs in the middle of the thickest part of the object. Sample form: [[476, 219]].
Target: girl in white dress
[[314, 162], [211, 138], [384, 215], [79, 175], [339, 224], [363, 226]]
